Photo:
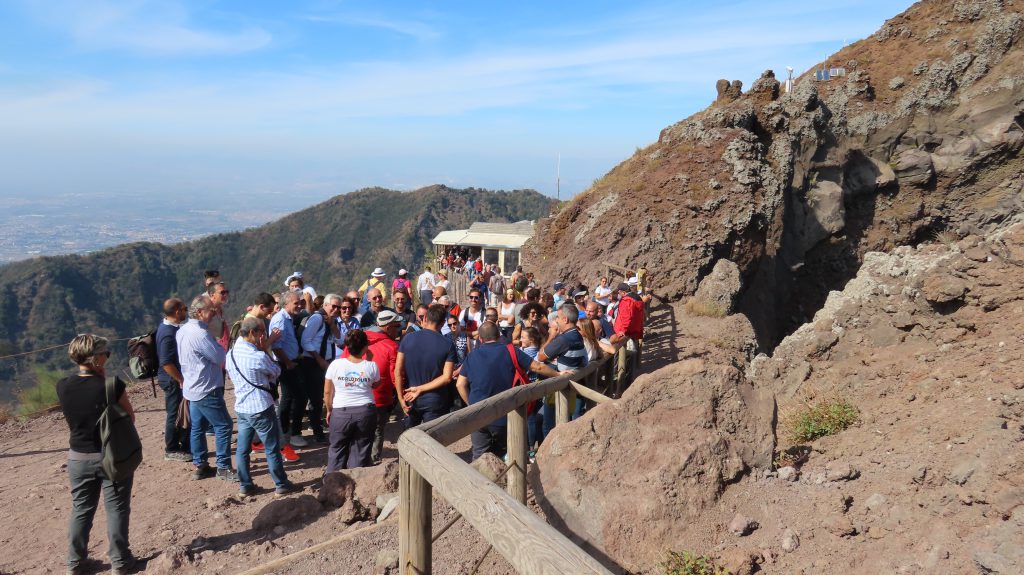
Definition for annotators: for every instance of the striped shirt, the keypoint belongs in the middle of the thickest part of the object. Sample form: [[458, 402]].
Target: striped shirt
[[246, 366], [568, 351], [201, 359]]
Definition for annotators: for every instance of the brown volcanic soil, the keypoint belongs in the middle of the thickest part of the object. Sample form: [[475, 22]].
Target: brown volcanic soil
[[203, 521]]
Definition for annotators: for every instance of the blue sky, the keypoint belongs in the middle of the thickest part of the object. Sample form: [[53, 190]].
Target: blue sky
[[312, 99]]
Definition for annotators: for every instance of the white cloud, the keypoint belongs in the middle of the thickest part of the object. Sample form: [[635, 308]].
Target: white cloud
[[161, 28], [418, 30]]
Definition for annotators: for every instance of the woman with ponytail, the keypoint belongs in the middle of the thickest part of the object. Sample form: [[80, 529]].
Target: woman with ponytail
[[351, 414]]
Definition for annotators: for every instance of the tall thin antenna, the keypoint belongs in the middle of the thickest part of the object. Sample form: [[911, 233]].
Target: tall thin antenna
[[558, 178]]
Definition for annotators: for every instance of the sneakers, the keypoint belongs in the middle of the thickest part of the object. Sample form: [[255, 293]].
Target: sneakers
[[203, 471], [226, 474], [287, 488], [177, 456], [298, 441], [248, 490], [128, 567], [288, 453]]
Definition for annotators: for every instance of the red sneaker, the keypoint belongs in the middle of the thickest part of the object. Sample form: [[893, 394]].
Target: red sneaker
[[289, 453]]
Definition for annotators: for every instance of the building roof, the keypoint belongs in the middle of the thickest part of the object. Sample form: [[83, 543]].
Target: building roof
[[488, 235]]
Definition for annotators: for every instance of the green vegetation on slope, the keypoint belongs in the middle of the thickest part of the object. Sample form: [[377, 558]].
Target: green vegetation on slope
[[118, 292]]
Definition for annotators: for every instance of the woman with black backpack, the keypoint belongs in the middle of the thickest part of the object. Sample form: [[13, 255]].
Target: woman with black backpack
[[84, 399]]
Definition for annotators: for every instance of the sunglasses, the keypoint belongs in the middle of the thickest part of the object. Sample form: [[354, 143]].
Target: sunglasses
[[345, 308], [376, 297], [474, 297], [224, 292], [336, 306]]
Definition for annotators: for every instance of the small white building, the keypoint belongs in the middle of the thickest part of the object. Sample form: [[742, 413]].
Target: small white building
[[497, 243]]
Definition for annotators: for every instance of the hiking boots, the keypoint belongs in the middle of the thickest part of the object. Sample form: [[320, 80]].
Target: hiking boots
[[226, 474], [177, 456], [286, 489], [203, 471]]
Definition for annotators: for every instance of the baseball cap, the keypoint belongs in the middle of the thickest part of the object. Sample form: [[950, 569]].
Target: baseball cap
[[580, 293], [387, 316], [403, 271], [623, 287], [559, 285]]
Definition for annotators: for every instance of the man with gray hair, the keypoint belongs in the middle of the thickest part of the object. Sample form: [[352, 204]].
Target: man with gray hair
[[287, 350], [254, 373], [202, 361], [319, 333]]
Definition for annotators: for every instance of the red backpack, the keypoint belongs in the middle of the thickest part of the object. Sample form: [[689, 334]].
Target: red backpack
[[520, 378]]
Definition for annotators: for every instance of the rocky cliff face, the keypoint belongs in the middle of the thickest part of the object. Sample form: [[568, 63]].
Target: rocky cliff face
[[922, 135], [874, 224]]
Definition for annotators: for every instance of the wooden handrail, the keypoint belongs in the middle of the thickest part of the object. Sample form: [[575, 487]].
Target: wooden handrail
[[523, 538], [452, 427], [503, 519]]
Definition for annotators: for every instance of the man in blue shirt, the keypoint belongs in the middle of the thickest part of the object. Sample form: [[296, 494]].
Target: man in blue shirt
[[176, 439], [566, 349], [488, 371], [286, 348], [202, 364], [320, 333], [423, 370]]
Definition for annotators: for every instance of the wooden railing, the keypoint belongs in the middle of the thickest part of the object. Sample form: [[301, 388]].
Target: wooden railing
[[529, 544]]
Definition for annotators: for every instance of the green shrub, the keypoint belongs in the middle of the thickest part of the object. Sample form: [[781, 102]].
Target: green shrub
[[698, 307], [826, 417], [41, 396], [687, 563]]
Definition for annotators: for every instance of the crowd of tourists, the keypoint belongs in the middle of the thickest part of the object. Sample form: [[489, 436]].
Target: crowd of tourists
[[344, 365]]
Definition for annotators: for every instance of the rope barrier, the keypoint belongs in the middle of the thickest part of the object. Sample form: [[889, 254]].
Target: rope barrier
[[51, 348]]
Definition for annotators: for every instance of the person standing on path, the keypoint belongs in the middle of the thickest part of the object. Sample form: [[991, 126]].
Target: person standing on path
[[253, 373], [318, 351], [83, 398], [202, 367], [287, 350], [176, 439], [351, 414], [423, 370], [425, 286], [487, 372]]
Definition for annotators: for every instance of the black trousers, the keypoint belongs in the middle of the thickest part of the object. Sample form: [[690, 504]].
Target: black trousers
[[293, 400], [313, 388]]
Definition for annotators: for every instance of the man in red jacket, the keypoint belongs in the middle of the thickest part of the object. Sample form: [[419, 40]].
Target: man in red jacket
[[629, 330], [384, 347]]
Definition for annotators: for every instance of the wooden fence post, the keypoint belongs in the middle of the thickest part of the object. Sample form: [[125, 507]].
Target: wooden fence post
[[517, 453], [414, 521], [562, 405]]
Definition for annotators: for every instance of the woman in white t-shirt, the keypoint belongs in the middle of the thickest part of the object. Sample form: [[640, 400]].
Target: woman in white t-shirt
[[601, 292], [348, 395]]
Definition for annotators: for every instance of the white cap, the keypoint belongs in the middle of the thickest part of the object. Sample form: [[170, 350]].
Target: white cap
[[403, 271], [294, 276], [633, 281], [378, 273]]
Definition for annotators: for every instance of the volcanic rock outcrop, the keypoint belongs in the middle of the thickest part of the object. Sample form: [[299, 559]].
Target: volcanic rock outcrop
[[922, 135]]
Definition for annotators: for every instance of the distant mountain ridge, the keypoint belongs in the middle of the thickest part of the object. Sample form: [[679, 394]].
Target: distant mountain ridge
[[119, 291]]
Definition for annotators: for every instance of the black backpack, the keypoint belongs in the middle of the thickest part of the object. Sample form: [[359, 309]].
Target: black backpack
[[327, 331], [143, 362], [522, 283], [122, 448]]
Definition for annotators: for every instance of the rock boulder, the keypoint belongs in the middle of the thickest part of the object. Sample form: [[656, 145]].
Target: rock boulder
[[722, 286], [694, 432]]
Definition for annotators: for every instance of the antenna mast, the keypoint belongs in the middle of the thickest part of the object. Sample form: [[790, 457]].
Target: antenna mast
[[558, 178]]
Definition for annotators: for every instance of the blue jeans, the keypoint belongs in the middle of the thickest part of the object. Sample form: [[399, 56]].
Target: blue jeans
[[87, 479], [535, 426], [489, 439], [265, 426], [211, 411], [175, 438], [549, 417]]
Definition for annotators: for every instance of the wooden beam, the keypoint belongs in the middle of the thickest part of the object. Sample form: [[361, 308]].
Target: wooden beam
[[584, 391], [414, 517], [562, 406], [454, 426], [529, 544], [517, 453]]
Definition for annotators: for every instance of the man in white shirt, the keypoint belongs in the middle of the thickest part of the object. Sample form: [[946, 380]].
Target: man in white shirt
[[425, 286]]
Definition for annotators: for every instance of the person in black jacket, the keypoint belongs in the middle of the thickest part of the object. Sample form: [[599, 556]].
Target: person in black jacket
[[83, 398]]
